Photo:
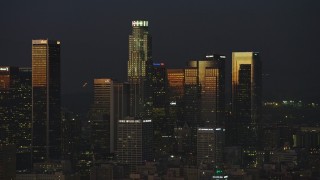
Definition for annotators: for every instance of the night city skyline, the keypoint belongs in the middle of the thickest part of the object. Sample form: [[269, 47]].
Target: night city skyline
[[140, 90], [95, 33]]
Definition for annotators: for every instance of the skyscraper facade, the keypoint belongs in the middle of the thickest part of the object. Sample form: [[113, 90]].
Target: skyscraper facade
[[102, 118], [23, 111], [140, 68], [163, 125], [211, 81], [246, 100], [46, 110], [175, 95], [210, 144], [191, 110], [135, 141], [110, 104], [121, 105]]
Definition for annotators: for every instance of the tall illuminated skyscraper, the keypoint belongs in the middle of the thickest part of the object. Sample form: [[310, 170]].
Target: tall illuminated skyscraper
[[46, 108], [140, 68], [246, 100]]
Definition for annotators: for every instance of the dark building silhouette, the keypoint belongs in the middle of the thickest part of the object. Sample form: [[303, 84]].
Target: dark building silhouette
[[7, 161], [162, 124], [110, 104], [71, 137], [102, 118], [246, 103]]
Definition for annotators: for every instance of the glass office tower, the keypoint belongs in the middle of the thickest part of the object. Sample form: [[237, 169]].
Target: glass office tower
[[46, 113], [246, 101], [211, 81]]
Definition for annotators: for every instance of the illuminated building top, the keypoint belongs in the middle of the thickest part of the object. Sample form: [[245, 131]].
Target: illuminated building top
[[45, 41], [140, 23]]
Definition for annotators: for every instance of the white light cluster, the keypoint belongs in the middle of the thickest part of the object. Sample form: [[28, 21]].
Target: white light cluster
[[205, 129], [129, 121], [219, 177], [4, 69], [139, 23], [134, 121], [173, 103]]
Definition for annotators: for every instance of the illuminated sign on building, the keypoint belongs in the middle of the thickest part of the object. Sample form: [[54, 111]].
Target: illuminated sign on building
[[158, 64], [42, 41], [205, 129]]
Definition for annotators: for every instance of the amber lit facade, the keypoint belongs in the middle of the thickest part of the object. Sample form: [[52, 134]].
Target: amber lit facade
[[46, 110], [139, 67], [175, 107], [175, 83], [211, 81]]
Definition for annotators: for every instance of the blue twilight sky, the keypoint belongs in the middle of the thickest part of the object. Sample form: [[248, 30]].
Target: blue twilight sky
[[94, 36]]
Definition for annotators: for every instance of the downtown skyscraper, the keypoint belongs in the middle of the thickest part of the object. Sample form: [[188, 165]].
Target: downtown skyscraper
[[204, 97], [46, 108], [109, 105], [102, 122], [211, 82], [246, 102], [140, 69]]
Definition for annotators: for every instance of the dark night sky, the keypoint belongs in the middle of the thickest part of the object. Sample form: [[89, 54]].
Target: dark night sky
[[94, 36]]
